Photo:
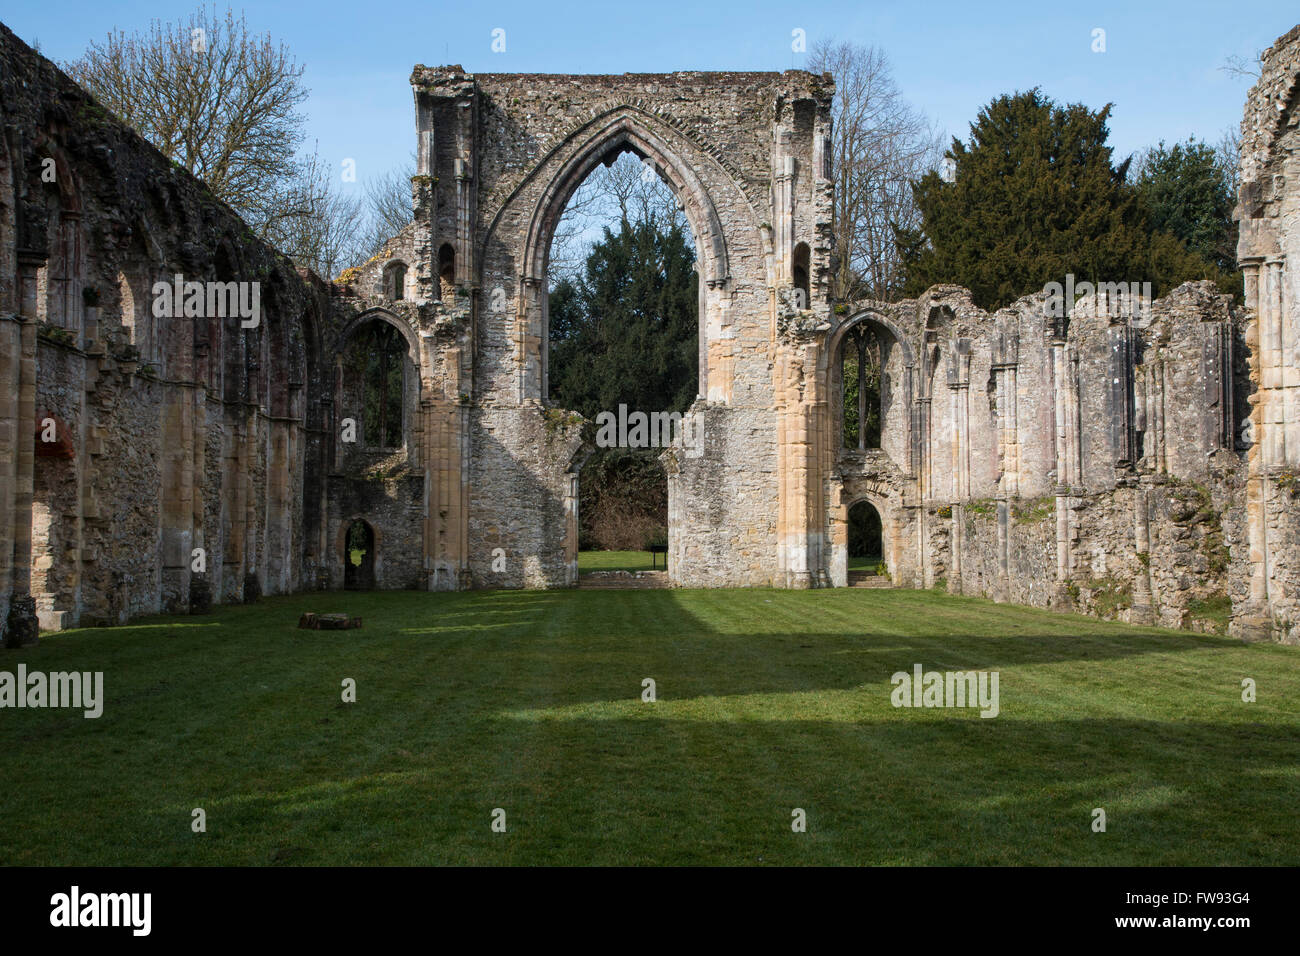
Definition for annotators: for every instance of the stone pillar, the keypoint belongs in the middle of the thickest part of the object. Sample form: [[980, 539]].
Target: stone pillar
[[22, 628], [336, 438], [176, 498], [959, 392], [1142, 611], [959, 388], [248, 502], [198, 468], [528, 339], [783, 208], [1288, 364], [957, 542], [720, 337], [1120, 394], [1002, 590], [1065, 476], [909, 438], [798, 477], [1272, 366], [1216, 373], [1005, 359], [571, 530], [1254, 619], [10, 436], [446, 468]]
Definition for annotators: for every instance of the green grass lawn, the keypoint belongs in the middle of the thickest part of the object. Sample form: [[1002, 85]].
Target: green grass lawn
[[618, 561], [767, 701]]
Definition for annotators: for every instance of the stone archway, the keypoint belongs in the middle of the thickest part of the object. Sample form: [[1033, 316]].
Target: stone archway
[[866, 536], [625, 130], [360, 555], [628, 140], [746, 157], [897, 364], [896, 531]]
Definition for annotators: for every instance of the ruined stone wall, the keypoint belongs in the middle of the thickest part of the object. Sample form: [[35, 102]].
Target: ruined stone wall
[[173, 434], [1268, 210], [499, 155], [1136, 461], [1087, 461]]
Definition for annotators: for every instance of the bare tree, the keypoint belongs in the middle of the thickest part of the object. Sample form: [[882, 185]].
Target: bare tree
[[880, 145], [1228, 156], [216, 99], [314, 225], [388, 206]]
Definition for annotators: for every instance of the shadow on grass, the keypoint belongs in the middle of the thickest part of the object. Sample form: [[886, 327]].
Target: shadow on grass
[[946, 791], [530, 701]]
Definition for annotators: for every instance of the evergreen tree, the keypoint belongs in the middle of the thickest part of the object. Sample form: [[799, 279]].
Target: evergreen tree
[[1036, 197], [628, 330], [1186, 192]]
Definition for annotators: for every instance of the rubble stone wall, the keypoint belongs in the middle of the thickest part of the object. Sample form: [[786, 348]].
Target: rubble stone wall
[[1126, 458]]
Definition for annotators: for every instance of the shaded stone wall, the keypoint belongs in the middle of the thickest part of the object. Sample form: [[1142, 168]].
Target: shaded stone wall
[[173, 434]]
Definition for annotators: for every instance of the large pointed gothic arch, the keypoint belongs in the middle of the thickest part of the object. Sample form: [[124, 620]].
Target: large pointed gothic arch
[[628, 129], [674, 159]]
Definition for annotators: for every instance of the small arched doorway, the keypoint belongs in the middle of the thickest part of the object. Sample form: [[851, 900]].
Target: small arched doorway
[[866, 538], [359, 557]]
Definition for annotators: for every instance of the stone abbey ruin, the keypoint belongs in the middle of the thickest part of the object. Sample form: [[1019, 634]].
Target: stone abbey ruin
[[1125, 458]]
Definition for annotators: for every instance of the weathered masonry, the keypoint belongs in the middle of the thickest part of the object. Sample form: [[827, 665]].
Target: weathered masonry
[[499, 157], [133, 448], [391, 429]]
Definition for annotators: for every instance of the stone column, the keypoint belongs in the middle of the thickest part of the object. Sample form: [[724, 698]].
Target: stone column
[[1064, 472], [528, 339], [959, 392], [957, 541], [797, 465], [430, 433], [571, 530], [22, 628], [1254, 620], [1288, 369], [1142, 611], [909, 437], [1002, 591]]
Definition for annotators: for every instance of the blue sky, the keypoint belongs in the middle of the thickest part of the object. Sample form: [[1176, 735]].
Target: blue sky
[[1161, 67]]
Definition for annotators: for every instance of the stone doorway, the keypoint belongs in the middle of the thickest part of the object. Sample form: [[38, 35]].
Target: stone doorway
[[866, 537], [866, 546], [359, 557]]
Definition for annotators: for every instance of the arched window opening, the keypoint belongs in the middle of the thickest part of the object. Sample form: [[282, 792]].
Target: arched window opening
[[359, 557], [375, 384], [130, 320], [800, 274], [862, 376], [395, 281], [866, 537], [447, 272], [61, 274]]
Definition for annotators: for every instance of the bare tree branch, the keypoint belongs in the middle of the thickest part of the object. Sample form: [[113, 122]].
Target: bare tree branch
[[628, 189], [1237, 65], [216, 99], [880, 145]]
